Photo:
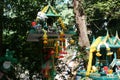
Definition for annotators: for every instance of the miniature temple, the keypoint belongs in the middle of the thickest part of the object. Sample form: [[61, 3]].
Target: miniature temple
[[49, 30], [50, 21], [104, 58]]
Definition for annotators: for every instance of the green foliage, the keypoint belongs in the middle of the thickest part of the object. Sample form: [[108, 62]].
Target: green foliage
[[18, 15], [106, 7], [17, 18], [100, 11], [66, 13]]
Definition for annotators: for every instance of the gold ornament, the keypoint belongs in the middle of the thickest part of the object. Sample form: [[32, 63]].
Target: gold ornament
[[98, 54], [45, 42], [72, 41]]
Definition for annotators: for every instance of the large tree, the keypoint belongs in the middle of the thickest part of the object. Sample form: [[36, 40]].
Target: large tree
[[80, 18]]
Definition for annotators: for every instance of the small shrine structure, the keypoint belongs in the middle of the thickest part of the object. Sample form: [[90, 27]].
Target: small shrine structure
[[104, 59], [49, 30]]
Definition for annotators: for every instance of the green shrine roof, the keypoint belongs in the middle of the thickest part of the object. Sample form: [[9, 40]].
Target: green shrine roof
[[50, 11], [110, 41], [53, 25]]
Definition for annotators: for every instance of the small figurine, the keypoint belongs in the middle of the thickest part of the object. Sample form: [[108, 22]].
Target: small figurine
[[41, 16]]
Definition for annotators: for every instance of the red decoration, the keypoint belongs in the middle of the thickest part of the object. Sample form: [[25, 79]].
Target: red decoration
[[63, 52], [64, 47], [61, 57], [46, 71], [105, 68], [33, 23], [52, 52]]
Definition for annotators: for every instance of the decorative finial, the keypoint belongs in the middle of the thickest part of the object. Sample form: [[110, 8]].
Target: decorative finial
[[49, 2], [107, 33], [116, 35]]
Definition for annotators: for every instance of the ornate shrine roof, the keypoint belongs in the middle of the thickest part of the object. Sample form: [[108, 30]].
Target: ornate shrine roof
[[53, 24], [50, 11], [104, 41]]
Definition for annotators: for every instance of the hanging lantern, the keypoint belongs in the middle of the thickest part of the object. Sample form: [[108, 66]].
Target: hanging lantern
[[62, 36], [45, 42], [45, 37]]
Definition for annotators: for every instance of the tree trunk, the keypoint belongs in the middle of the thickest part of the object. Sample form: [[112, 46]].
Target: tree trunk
[[1, 25], [81, 23]]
